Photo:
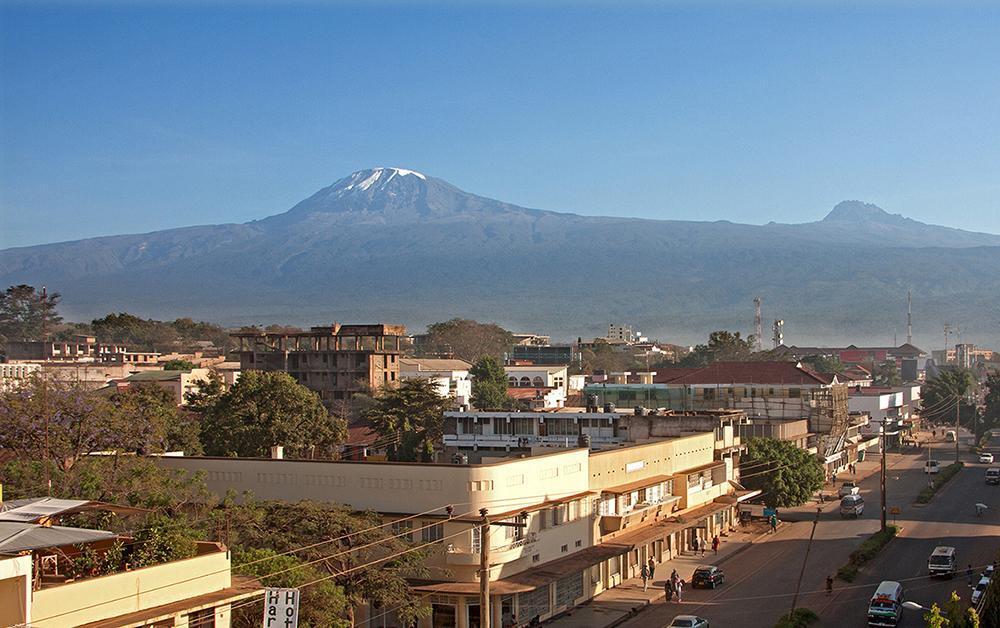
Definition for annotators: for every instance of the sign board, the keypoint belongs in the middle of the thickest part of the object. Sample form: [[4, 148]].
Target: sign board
[[894, 510], [770, 512], [281, 608]]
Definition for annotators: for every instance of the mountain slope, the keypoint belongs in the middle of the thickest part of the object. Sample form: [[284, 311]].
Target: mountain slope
[[392, 244]]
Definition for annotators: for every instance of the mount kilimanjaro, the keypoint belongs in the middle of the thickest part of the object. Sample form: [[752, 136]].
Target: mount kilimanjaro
[[389, 244]]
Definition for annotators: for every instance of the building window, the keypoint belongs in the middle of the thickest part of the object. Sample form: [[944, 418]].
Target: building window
[[402, 529], [203, 618], [564, 549], [512, 382], [794, 393], [525, 382], [432, 533], [538, 382], [578, 543]]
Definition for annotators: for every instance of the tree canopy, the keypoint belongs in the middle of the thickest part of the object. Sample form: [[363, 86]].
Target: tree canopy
[[178, 365], [489, 384], [940, 394], [409, 417], [823, 363], [264, 409], [26, 314], [466, 339], [886, 374], [786, 474], [722, 346]]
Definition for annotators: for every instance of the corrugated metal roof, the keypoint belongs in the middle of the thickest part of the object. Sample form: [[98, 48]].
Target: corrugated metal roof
[[23, 537]]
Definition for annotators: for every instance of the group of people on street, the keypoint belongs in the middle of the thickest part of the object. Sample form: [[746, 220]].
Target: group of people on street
[[698, 544], [674, 585]]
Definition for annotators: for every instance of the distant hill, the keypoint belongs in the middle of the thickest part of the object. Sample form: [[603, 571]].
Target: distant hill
[[396, 245]]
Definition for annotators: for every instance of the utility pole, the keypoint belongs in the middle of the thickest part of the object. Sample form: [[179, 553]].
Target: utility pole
[[909, 317], [485, 612], [958, 408], [882, 480], [805, 560]]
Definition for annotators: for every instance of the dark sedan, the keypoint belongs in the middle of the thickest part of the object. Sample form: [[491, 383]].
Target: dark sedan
[[707, 576]]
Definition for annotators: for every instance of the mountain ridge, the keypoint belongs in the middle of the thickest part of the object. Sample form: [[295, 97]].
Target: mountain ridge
[[395, 241]]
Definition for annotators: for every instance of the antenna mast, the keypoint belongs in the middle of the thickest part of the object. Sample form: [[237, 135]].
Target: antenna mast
[[909, 318], [758, 326]]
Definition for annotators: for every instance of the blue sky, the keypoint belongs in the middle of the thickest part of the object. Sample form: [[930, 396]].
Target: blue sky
[[116, 118]]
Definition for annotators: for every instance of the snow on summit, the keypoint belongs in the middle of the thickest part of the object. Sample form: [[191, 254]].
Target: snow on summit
[[364, 179]]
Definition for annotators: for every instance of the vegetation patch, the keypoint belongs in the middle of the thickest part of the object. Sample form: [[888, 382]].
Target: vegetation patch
[[799, 618], [940, 480], [868, 550]]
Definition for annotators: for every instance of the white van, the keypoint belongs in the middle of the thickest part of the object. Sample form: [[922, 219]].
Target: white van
[[950, 436], [886, 606], [942, 561], [852, 506], [932, 466]]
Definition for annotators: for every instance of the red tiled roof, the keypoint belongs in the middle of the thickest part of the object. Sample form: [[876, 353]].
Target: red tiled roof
[[724, 373], [360, 435]]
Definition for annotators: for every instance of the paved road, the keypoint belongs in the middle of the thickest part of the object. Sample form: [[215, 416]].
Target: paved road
[[761, 581]]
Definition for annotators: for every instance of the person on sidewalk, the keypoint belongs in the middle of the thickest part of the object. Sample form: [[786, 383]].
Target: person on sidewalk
[[774, 523], [829, 585], [668, 591], [652, 569], [702, 546], [679, 590], [674, 578], [644, 574], [694, 544], [715, 544]]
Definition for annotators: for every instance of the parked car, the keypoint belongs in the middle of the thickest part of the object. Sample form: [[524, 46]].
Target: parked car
[[932, 466], [848, 488], [993, 475], [979, 590], [986, 457], [688, 621], [988, 572], [707, 576]]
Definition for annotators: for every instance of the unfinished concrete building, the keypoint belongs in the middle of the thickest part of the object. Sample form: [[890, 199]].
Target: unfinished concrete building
[[336, 361]]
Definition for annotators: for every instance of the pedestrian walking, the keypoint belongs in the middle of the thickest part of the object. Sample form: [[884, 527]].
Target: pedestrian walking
[[652, 568], [674, 578], [829, 585], [715, 544], [668, 590], [694, 544], [644, 574], [833, 478], [774, 523], [702, 546], [679, 590]]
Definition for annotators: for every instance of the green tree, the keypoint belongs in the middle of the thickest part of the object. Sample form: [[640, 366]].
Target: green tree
[[322, 604], [467, 339], [991, 410], [348, 556], [786, 474], [206, 394], [26, 314], [886, 374], [823, 363], [940, 394], [264, 409], [723, 346], [163, 426], [410, 417], [489, 384], [178, 365]]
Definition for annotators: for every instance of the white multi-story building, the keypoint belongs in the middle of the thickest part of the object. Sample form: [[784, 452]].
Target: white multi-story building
[[449, 375], [537, 376], [565, 523]]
